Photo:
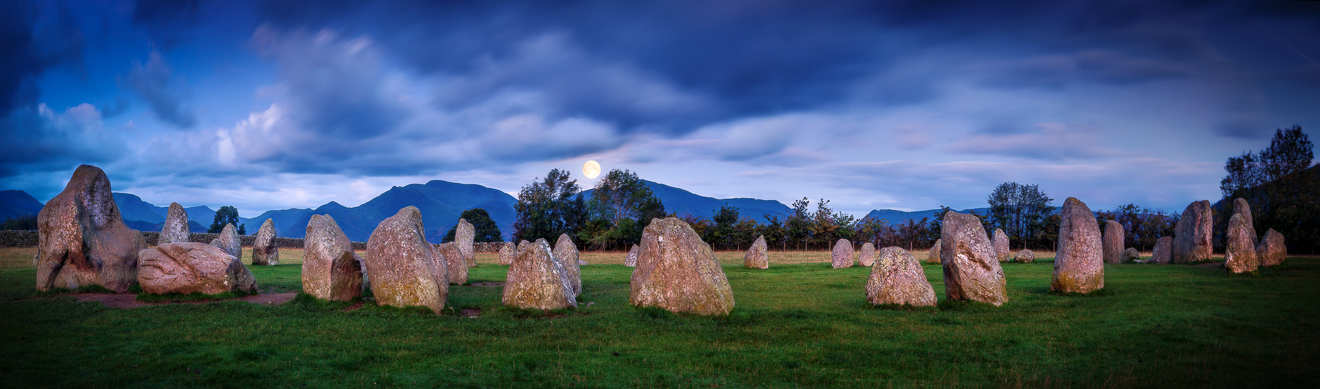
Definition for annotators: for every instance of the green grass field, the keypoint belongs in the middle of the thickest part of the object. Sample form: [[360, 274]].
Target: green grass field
[[798, 324]]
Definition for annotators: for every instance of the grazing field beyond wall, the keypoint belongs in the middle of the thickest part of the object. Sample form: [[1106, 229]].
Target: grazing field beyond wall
[[797, 324]]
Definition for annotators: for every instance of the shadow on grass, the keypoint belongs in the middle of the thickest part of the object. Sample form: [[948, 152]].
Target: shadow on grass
[[81, 289], [180, 297], [309, 303], [1103, 292]]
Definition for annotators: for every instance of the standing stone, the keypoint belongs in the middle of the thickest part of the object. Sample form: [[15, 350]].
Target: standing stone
[[567, 254], [1163, 252], [508, 251], [1241, 207], [1239, 254], [1191, 236], [1000, 239], [229, 242], [1113, 242], [1079, 263], [934, 255], [971, 271], [897, 278], [842, 255], [754, 259], [867, 256], [188, 267], [82, 239], [463, 235], [536, 280], [330, 268], [176, 226], [678, 272], [405, 270], [457, 268], [1131, 254], [1271, 251], [1024, 256], [631, 260], [264, 249]]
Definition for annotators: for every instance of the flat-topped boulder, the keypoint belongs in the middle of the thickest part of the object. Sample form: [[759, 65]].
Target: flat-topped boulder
[[755, 258], [536, 280], [866, 256], [1239, 253], [631, 259], [567, 254], [971, 271], [1163, 252], [1024, 256], [1271, 251], [464, 233], [1079, 265], [187, 267], [1192, 234], [934, 255], [1000, 240], [1131, 254], [405, 270], [458, 269], [82, 238], [842, 254], [175, 228], [508, 251], [1112, 242], [897, 278], [264, 250], [676, 271], [330, 268], [229, 241]]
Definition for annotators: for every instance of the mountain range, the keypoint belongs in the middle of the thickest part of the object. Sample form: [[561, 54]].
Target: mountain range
[[440, 202]]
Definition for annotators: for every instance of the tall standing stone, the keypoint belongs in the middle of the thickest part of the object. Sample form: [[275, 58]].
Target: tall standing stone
[[175, 229], [188, 267], [330, 268], [631, 259], [567, 253], [1271, 250], [678, 272], [1241, 207], [1192, 235], [536, 280], [897, 278], [229, 241], [457, 268], [1112, 242], [264, 249], [508, 251], [1163, 252], [867, 255], [1239, 254], [82, 239], [755, 257], [464, 233], [842, 255], [971, 271], [405, 270], [1079, 262], [1000, 239], [934, 255]]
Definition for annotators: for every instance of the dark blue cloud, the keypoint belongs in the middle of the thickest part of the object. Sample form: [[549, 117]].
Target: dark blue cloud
[[156, 83], [166, 21], [33, 39]]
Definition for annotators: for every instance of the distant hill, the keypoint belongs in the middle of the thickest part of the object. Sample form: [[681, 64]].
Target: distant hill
[[683, 203], [132, 208], [15, 203], [896, 217]]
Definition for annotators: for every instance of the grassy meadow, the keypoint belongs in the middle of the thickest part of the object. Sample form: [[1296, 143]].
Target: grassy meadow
[[798, 324]]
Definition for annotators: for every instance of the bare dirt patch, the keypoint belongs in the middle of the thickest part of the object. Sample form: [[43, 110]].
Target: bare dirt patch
[[127, 301]]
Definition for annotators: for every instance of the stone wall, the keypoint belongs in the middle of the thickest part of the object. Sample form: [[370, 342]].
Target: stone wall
[[31, 239], [18, 238]]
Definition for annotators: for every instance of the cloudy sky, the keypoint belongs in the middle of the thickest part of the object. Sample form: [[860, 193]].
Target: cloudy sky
[[870, 104]]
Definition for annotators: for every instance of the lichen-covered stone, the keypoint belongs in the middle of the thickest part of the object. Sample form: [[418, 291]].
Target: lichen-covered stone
[[464, 233], [508, 251], [754, 259], [536, 280], [188, 267], [264, 250], [1131, 254], [458, 269], [1239, 254], [229, 241], [1271, 251], [330, 268], [405, 270], [842, 254], [1241, 207], [1112, 242], [1163, 252], [866, 257], [971, 271], [82, 239], [567, 254], [1024, 256], [1079, 262], [176, 226], [631, 259], [897, 278], [1192, 234], [678, 272], [1000, 240], [934, 255]]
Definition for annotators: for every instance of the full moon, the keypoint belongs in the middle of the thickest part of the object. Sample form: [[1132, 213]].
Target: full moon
[[591, 169]]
